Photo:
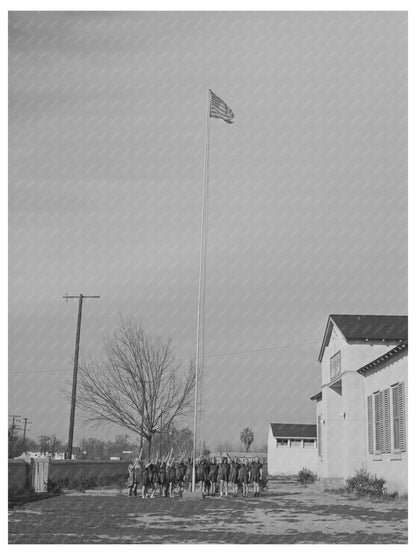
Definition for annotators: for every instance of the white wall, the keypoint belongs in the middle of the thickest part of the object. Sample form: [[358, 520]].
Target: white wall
[[393, 467], [289, 460]]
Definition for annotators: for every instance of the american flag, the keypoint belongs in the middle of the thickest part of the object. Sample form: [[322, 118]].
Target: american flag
[[219, 109]]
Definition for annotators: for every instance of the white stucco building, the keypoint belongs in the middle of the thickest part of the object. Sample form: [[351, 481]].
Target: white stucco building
[[362, 405], [291, 447]]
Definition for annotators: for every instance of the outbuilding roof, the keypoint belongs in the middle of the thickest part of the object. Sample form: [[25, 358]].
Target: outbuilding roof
[[355, 327], [294, 430]]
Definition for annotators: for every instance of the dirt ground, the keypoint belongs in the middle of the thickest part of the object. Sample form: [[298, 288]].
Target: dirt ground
[[285, 514]]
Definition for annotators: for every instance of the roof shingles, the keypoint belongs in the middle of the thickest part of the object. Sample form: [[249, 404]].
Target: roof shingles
[[294, 430], [356, 327]]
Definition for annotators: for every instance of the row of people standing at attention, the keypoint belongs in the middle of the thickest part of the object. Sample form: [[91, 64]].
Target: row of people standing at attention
[[157, 476], [230, 473], [164, 476]]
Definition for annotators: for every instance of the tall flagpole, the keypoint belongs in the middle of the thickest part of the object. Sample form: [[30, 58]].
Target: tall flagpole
[[199, 364]]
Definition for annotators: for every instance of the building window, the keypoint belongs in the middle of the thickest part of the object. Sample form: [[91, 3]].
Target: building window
[[308, 443], [296, 443], [335, 365], [282, 442], [399, 437], [389, 423]]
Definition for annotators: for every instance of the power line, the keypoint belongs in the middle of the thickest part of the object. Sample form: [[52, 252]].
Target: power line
[[231, 353], [291, 346]]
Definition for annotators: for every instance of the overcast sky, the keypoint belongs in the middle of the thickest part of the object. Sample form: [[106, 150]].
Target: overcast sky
[[307, 207]]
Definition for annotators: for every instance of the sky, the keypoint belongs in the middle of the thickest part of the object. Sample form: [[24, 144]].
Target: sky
[[307, 197]]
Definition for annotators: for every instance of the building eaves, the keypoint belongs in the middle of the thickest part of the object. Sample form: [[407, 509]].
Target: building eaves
[[379, 360]]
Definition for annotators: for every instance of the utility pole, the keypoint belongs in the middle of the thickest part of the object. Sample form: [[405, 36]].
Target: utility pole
[[15, 421], [26, 420], [75, 372]]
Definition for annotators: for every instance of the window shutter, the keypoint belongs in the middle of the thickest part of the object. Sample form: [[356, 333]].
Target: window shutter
[[402, 421], [386, 418], [378, 398], [370, 424]]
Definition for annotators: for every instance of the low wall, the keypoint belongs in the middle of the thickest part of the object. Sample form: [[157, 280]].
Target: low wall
[[18, 474], [70, 471], [77, 470]]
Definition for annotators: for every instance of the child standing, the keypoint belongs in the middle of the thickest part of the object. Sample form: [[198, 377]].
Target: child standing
[[213, 475], [255, 476], [130, 479], [172, 477], [234, 476], [224, 476], [243, 476]]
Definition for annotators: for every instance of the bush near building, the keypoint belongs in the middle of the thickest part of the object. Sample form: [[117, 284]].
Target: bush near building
[[306, 476], [363, 483]]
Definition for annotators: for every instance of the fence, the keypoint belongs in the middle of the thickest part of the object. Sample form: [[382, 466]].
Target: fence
[[19, 475], [66, 472]]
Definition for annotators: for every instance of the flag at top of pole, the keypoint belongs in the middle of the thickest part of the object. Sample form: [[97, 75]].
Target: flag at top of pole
[[219, 109]]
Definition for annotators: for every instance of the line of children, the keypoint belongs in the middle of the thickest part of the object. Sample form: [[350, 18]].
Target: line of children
[[156, 475], [165, 475]]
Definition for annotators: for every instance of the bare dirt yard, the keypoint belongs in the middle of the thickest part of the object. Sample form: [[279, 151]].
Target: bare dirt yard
[[286, 513]]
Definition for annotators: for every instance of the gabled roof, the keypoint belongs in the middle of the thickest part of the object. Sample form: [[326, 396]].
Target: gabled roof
[[401, 347], [355, 327], [317, 397], [294, 430]]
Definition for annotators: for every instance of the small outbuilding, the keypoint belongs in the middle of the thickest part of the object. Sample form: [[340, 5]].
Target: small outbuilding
[[291, 447]]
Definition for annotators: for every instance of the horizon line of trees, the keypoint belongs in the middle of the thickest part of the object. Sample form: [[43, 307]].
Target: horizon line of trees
[[180, 439]]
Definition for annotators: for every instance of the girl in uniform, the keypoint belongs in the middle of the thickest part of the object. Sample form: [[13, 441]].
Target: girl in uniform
[[180, 476], [172, 477], [224, 476], [145, 478], [162, 478], [138, 464], [234, 476], [188, 475], [200, 475], [155, 476], [130, 479], [213, 475], [243, 476], [255, 476]]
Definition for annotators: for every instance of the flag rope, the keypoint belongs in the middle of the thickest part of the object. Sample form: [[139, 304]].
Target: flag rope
[[201, 285]]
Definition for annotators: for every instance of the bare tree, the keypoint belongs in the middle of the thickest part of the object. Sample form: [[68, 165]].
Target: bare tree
[[137, 384], [247, 438]]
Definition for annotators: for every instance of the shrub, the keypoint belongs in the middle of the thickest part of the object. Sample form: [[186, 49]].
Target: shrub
[[364, 483], [56, 486], [306, 476]]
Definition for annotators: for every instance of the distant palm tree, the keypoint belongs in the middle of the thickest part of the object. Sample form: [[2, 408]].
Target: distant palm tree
[[247, 438]]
